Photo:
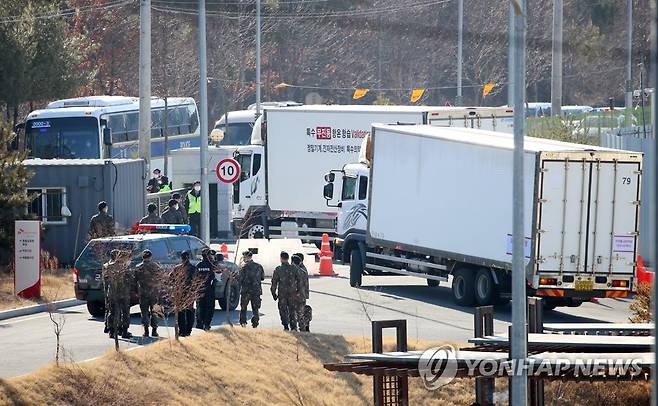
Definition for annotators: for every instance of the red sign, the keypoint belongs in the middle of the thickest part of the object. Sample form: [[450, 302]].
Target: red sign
[[228, 170], [323, 133]]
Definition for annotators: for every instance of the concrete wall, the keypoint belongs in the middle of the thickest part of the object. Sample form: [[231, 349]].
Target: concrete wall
[[118, 182]]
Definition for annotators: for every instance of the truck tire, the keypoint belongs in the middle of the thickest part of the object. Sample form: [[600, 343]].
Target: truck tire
[[233, 301], [486, 291], [96, 308], [432, 283], [356, 268], [463, 289]]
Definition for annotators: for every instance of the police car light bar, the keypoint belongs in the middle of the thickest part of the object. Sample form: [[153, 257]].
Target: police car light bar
[[172, 228]]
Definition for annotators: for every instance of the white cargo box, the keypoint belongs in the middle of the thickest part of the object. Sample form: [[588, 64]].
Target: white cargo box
[[448, 192]]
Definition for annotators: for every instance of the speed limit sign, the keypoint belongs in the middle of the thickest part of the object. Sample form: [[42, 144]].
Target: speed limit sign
[[228, 170]]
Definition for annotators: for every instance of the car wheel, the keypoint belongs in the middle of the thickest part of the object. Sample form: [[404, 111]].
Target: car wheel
[[463, 291], [96, 308], [356, 268], [233, 301]]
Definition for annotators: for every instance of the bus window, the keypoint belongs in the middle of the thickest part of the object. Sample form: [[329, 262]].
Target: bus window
[[65, 138], [118, 126], [156, 123], [173, 121], [132, 126], [193, 117]]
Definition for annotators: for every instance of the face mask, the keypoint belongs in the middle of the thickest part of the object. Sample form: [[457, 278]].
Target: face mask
[[175, 207], [197, 188]]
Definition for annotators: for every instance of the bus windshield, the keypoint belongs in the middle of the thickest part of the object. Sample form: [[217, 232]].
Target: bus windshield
[[63, 138], [237, 134]]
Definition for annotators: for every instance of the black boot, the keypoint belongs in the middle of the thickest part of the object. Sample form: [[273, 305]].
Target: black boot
[[154, 332], [146, 331], [285, 327], [126, 334]]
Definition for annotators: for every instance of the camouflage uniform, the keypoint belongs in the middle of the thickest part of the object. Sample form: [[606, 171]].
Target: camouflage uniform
[[287, 281], [147, 275], [117, 280], [101, 225], [172, 216], [302, 297], [152, 218], [250, 277], [186, 316]]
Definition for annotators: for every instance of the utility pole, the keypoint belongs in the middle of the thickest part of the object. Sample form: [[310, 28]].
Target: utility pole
[[144, 146], [629, 68], [510, 57], [257, 58], [556, 61], [519, 336], [653, 82], [203, 110], [460, 42]]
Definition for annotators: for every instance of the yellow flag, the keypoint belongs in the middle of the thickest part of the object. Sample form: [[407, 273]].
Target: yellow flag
[[359, 93], [488, 87], [281, 85], [416, 94]]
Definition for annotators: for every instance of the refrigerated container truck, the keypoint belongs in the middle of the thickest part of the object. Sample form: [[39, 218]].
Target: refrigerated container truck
[[440, 207], [278, 193]]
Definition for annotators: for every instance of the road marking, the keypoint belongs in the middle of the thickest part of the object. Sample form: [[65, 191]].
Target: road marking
[[24, 318]]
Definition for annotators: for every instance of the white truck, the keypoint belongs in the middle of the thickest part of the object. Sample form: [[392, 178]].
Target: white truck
[[438, 203], [278, 194]]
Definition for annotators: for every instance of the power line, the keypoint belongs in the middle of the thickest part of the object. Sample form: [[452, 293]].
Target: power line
[[328, 14], [69, 12]]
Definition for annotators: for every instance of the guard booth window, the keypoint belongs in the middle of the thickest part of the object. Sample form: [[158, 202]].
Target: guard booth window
[[349, 188], [47, 205]]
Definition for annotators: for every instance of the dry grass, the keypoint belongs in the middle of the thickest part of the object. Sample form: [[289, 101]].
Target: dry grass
[[55, 285], [255, 367]]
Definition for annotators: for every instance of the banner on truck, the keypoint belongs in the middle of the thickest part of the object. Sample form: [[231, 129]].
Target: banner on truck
[[27, 255]]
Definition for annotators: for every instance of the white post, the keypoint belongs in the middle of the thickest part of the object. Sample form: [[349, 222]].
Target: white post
[[654, 206], [257, 58], [519, 336], [144, 147], [510, 57], [556, 61], [460, 43], [203, 113]]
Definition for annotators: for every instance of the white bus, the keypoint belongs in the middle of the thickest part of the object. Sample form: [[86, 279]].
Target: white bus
[[107, 127]]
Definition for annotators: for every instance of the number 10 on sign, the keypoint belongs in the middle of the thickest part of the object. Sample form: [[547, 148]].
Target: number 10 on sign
[[228, 170]]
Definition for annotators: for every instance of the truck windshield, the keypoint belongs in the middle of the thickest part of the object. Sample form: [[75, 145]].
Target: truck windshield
[[237, 133], [349, 187], [66, 138]]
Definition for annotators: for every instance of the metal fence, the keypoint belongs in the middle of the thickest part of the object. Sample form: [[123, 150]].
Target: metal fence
[[632, 139], [161, 199]]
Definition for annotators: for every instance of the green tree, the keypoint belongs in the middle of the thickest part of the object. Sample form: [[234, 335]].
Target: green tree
[[13, 183]]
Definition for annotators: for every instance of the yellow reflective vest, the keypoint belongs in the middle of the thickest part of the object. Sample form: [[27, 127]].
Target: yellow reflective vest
[[194, 203]]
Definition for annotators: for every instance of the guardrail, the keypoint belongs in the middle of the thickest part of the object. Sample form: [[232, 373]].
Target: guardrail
[[161, 199]]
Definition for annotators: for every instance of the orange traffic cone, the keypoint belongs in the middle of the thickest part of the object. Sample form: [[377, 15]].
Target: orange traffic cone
[[325, 248], [326, 263], [224, 250]]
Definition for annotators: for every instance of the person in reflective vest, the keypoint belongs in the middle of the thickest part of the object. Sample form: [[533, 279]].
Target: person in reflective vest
[[194, 208]]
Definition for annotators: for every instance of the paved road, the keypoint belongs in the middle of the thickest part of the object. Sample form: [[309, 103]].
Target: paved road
[[337, 309]]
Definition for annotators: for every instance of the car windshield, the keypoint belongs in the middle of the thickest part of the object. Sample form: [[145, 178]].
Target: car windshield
[[236, 134], [67, 138]]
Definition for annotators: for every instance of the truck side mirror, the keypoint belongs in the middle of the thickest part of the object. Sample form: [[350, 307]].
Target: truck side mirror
[[107, 136], [329, 178], [329, 191]]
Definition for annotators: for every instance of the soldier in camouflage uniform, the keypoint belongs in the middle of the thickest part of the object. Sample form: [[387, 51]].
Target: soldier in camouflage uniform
[[152, 217], [147, 275], [117, 279], [286, 285], [250, 277], [101, 224], [302, 296]]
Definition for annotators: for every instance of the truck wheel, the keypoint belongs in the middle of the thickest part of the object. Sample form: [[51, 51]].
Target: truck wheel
[[256, 231], [233, 301], [356, 268], [486, 292], [432, 283], [96, 308], [463, 291]]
